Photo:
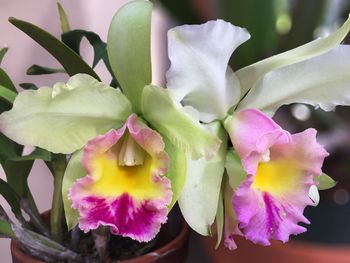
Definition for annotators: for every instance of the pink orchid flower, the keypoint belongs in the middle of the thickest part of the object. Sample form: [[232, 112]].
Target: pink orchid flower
[[281, 167]]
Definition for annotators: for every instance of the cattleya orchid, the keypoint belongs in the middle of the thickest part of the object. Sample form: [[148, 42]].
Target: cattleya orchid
[[127, 165], [271, 175], [134, 153]]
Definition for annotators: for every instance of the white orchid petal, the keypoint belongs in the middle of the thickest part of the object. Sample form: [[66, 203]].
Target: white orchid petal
[[199, 75], [322, 81], [250, 75]]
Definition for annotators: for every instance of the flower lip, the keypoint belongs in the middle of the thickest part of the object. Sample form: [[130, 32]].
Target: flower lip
[[132, 200], [269, 203]]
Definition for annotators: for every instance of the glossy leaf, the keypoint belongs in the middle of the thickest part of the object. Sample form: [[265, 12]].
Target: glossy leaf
[[11, 197], [129, 49], [71, 62], [7, 94], [40, 70], [28, 86], [8, 149], [6, 81]]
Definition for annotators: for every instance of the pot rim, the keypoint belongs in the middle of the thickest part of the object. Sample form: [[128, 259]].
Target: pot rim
[[174, 245]]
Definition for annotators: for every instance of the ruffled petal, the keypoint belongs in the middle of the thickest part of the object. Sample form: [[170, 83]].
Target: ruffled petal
[[252, 133], [132, 200], [269, 203], [199, 75]]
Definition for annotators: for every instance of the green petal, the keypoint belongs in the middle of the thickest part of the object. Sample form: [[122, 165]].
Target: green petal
[[73, 172], [176, 171], [64, 118], [234, 168], [200, 196], [169, 119], [250, 75], [324, 182], [129, 49]]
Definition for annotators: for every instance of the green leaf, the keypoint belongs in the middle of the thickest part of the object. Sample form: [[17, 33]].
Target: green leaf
[[176, 171], [7, 94], [129, 49], [63, 118], [63, 18], [11, 197], [73, 172], [171, 121], [6, 81], [28, 86], [8, 149], [2, 53], [6, 229], [70, 61], [40, 70], [200, 195], [37, 154], [324, 182], [73, 40], [17, 174], [234, 168]]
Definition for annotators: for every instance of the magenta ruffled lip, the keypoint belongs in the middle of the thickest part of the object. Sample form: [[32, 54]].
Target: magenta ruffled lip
[[264, 215], [125, 214]]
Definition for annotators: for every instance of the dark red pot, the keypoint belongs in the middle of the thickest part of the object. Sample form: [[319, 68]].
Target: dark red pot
[[170, 251]]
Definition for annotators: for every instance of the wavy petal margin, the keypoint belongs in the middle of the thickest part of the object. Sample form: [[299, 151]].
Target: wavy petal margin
[[199, 75], [270, 202], [132, 200], [63, 118]]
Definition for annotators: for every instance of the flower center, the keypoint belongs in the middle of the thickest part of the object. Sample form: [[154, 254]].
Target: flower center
[[276, 177], [113, 179]]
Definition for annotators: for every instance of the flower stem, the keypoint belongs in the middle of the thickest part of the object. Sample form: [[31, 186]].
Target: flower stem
[[59, 164]]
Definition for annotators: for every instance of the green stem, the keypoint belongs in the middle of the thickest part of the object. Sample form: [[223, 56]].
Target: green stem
[[59, 164]]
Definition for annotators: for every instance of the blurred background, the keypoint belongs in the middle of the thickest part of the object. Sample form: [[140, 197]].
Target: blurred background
[[275, 26]]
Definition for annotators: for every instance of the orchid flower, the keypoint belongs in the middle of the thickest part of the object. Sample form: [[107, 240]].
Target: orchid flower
[[127, 166], [201, 79], [270, 201]]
